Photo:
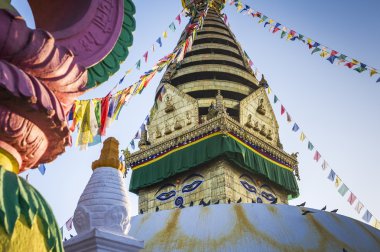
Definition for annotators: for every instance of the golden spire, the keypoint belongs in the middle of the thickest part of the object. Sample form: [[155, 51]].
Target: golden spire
[[109, 156]]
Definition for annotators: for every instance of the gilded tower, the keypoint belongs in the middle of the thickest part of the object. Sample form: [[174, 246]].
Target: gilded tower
[[212, 136]]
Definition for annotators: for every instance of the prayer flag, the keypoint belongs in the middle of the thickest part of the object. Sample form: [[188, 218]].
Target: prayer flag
[[178, 18], [343, 189], [105, 106], [351, 199], [317, 49], [69, 224], [378, 80], [359, 206], [337, 181], [159, 41], [295, 127], [27, 177], [288, 118], [302, 136], [324, 165], [282, 109], [172, 27], [351, 64], [275, 99], [376, 224], [331, 175], [317, 156], [269, 90], [276, 28], [283, 33], [128, 72], [342, 58], [121, 80], [310, 146], [372, 72], [367, 216], [225, 18], [147, 121], [132, 143], [165, 34], [42, 169], [324, 53], [361, 68], [61, 230], [137, 135], [316, 44], [145, 56], [138, 65]]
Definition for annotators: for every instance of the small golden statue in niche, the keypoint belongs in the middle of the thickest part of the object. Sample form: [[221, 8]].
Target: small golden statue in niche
[[169, 104], [249, 122], [212, 112], [158, 132], [260, 109], [256, 128], [262, 131], [167, 129], [188, 118], [269, 135], [177, 124]]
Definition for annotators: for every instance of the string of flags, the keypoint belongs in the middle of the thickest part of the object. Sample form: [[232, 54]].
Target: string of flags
[[341, 187], [331, 55], [91, 117], [157, 43], [68, 224]]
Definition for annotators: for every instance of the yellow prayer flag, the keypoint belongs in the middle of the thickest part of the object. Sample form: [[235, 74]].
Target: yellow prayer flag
[[309, 41], [165, 34], [376, 224], [128, 72], [302, 137], [337, 181], [289, 36], [373, 71], [269, 90], [271, 21], [324, 53]]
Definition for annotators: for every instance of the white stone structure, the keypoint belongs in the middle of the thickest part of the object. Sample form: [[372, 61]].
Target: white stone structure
[[101, 218]]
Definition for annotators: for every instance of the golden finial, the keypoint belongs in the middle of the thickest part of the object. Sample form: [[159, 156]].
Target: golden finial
[[109, 156]]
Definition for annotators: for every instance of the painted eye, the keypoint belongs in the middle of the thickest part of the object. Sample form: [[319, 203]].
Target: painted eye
[[192, 186], [268, 196], [166, 195], [248, 186]]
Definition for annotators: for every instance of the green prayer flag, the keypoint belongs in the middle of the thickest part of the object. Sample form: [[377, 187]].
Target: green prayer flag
[[315, 50], [275, 99], [172, 27], [98, 112], [283, 33], [138, 64], [343, 189]]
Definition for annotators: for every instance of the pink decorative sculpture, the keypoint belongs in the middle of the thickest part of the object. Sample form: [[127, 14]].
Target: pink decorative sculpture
[[43, 71]]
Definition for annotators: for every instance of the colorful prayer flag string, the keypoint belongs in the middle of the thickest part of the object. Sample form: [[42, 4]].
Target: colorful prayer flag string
[[342, 188], [315, 47]]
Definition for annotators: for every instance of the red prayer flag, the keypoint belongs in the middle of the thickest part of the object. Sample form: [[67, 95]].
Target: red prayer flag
[[69, 224], [333, 53], [317, 156], [104, 106], [352, 198], [146, 56], [276, 29], [282, 109], [178, 18]]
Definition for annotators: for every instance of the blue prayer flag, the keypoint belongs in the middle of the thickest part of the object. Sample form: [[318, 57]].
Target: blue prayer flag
[[42, 169], [331, 175], [295, 127], [132, 143], [159, 41], [310, 146], [367, 216]]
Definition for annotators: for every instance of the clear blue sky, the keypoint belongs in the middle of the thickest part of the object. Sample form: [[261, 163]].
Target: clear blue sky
[[336, 107]]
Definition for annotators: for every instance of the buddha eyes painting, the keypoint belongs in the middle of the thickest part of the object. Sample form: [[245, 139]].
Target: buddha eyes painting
[[169, 191], [262, 192]]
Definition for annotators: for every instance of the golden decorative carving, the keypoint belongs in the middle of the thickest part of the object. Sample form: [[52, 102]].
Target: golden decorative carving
[[262, 131], [109, 156], [188, 118], [158, 132], [167, 129], [169, 104], [256, 128], [269, 135], [249, 122], [260, 109], [177, 124]]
